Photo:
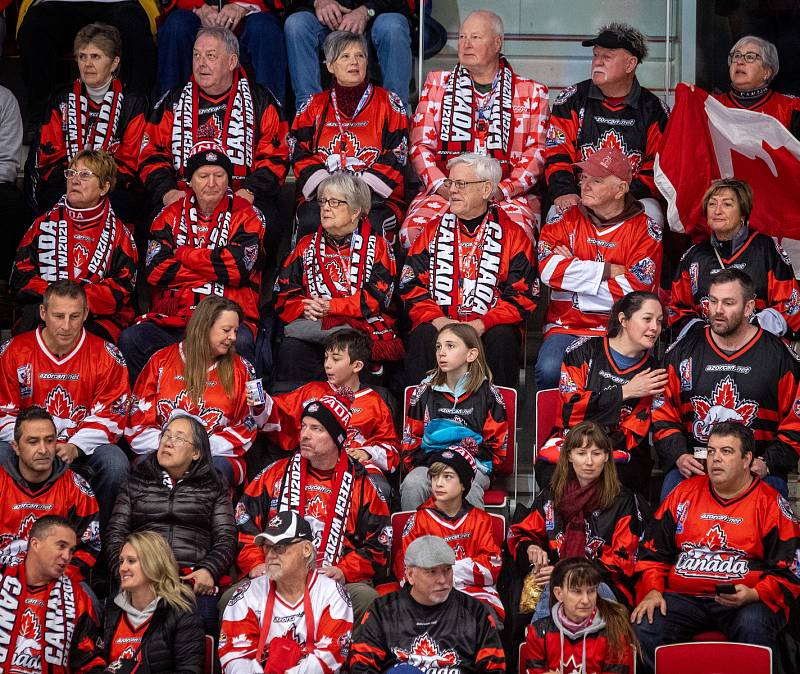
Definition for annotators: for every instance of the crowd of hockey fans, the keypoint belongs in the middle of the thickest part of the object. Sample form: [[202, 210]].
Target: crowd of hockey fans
[[278, 427]]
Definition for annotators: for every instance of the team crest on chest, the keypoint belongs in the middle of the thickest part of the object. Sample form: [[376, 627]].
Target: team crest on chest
[[712, 557], [612, 139], [426, 654], [724, 404]]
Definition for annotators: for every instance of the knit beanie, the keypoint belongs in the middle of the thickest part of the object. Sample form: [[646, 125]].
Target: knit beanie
[[333, 412], [207, 153], [461, 459]]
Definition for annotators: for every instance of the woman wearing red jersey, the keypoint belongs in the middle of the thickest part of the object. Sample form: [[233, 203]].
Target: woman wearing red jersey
[[201, 376], [356, 127]]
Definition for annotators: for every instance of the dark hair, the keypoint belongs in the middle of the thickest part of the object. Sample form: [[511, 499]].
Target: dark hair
[[356, 343], [43, 525], [65, 288], [32, 413], [628, 306], [731, 274], [736, 429], [105, 37], [200, 442]]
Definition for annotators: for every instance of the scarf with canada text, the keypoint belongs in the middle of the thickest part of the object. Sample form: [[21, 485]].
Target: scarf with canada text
[[238, 129], [459, 119], [444, 267], [293, 497], [78, 133], [386, 345]]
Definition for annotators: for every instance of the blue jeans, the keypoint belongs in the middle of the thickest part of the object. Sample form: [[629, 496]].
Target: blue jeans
[[548, 362], [139, 342], [673, 478], [543, 606], [261, 47], [389, 34], [688, 616]]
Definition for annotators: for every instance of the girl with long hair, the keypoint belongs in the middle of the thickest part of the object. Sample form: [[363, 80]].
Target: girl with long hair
[[152, 625], [202, 376], [455, 403], [583, 512], [583, 631]]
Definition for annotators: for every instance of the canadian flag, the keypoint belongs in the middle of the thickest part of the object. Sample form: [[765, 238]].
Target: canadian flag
[[704, 140]]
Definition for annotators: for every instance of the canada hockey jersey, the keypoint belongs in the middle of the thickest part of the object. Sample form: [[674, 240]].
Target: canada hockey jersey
[[91, 246], [86, 391], [759, 256], [160, 393], [458, 636], [591, 390], [242, 624], [583, 121], [367, 535], [52, 628], [612, 537], [756, 386], [469, 533], [371, 426], [698, 540], [489, 273], [483, 412], [64, 493], [190, 256], [581, 298], [783, 107]]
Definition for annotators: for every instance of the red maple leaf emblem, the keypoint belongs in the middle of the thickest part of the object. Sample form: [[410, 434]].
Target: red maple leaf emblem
[[460, 552], [59, 404], [349, 144], [316, 508], [425, 653], [25, 526], [208, 130], [431, 134], [210, 416], [715, 539], [612, 139], [80, 255], [723, 405], [29, 626]]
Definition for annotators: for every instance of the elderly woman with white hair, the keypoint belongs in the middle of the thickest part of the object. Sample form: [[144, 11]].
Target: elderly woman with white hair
[[342, 275], [753, 64], [470, 264], [354, 126]]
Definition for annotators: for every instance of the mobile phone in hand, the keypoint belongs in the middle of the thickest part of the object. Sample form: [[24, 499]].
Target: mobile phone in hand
[[725, 588]]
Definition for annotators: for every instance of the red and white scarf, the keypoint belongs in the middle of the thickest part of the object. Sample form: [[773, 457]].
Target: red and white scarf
[[293, 497], [447, 282], [458, 130], [79, 134], [238, 129]]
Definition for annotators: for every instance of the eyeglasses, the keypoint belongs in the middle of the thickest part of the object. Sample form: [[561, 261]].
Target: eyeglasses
[[460, 185], [83, 174], [176, 439], [280, 548], [747, 57], [333, 203]]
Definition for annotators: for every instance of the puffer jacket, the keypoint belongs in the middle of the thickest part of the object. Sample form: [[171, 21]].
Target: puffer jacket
[[195, 516], [173, 643]]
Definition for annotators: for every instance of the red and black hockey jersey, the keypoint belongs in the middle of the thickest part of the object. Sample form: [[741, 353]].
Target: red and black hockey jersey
[[697, 540], [458, 636], [760, 257], [612, 537], [91, 246], [64, 493], [581, 297], [483, 412], [591, 390], [583, 121], [52, 628], [489, 273], [373, 143], [783, 107], [246, 120], [469, 533], [86, 391], [371, 426], [756, 386], [190, 256], [367, 537]]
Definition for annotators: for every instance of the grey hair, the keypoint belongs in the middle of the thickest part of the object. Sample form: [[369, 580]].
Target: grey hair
[[351, 187], [769, 53], [312, 560], [223, 35], [630, 34], [494, 21], [338, 40], [486, 168]]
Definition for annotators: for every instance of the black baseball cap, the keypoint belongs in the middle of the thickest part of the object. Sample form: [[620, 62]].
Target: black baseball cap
[[611, 40], [285, 527]]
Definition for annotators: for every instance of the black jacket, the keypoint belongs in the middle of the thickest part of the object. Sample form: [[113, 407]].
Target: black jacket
[[195, 517], [173, 643]]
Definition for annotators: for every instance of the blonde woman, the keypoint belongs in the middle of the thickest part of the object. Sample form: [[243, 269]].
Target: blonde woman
[[152, 625]]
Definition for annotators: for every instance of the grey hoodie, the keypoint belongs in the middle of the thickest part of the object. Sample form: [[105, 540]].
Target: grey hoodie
[[135, 616]]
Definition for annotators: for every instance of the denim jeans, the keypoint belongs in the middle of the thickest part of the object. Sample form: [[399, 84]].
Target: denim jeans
[[548, 362], [389, 34], [261, 47], [673, 478], [688, 616]]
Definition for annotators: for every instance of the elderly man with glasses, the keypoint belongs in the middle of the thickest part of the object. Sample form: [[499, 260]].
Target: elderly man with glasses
[[470, 264]]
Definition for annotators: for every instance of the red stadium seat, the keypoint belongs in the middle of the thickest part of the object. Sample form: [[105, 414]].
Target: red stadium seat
[[547, 402], [713, 657], [710, 636], [210, 666]]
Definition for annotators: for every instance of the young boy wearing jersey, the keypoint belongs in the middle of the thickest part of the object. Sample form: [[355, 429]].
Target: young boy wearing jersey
[[371, 436], [465, 528]]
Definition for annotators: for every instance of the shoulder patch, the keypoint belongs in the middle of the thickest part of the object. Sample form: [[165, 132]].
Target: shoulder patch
[[654, 229], [564, 95], [304, 105], [115, 353], [786, 509], [396, 103], [497, 395], [578, 342], [4, 346], [782, 252], [82, 484], [409, 525]]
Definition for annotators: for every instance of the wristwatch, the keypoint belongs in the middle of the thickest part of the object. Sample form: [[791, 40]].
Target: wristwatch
[[370, 13]]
